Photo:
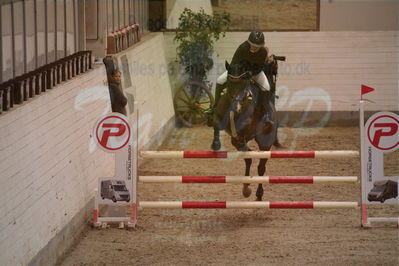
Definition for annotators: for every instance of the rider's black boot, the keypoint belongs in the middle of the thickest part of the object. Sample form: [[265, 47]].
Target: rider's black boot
[[266, 108], [211, 111], [276, 142]]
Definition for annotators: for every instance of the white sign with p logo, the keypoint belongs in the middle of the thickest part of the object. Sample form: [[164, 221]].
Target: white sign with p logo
[[381, 136]]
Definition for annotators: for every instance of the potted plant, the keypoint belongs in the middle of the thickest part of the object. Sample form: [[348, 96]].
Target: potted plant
[[196, 33]]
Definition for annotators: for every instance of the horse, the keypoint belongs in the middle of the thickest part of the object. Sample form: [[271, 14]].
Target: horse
[[238, 114]]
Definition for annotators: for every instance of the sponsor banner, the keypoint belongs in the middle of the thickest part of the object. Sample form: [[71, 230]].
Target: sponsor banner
[[381, 136], [113, 133]]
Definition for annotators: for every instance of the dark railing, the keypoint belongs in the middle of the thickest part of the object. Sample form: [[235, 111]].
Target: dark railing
[[28, 85]]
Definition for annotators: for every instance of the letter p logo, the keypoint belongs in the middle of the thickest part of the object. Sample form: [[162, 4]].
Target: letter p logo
[[116, 130], [383, 132], [112, 132], [387, 129]]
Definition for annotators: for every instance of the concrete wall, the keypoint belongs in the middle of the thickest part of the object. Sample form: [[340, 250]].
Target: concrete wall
[[145, 80], [350, 15], [324, 70], [49, 167]]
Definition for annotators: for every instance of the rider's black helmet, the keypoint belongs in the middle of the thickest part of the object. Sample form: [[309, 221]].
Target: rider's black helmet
[[256, 38]]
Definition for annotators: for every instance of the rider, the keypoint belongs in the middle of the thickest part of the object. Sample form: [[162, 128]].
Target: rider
[[251, 53]]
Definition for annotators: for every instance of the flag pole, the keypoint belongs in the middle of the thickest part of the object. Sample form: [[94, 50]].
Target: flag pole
[[363, 212]]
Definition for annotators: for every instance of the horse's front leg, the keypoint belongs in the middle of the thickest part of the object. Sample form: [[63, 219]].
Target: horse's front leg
[[259, 192], [246, 191], [241, 145], [216, 139], [261, 172], [219, 121]]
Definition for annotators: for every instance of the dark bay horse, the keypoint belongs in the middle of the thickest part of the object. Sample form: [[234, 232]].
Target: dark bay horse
[[238, 115]]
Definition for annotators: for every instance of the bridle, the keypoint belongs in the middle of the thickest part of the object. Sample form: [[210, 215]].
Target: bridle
[[242, 91]]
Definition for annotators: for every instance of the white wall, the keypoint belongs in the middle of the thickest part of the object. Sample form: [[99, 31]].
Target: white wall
[[324, 70], [359, 15], [150, 84], [48, 166]]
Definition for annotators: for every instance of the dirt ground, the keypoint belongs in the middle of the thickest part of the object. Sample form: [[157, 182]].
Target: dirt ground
[[270, 15], [248, 236]]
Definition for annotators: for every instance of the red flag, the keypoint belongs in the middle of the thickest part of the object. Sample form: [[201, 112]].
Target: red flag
[[366, 89]]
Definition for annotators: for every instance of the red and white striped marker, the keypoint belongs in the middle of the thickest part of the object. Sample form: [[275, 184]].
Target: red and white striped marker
[[247, 154], [246, 204], [249, 179]]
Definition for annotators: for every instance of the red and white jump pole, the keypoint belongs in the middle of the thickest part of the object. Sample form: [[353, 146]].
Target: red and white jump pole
[[247, 205], [249, 179], [247, 154]]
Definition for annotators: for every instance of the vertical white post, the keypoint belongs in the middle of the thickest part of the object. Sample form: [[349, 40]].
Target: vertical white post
[[135, 155], [96, 211], [363, 209]]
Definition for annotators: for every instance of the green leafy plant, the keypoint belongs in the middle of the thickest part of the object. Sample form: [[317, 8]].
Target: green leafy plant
[[196, 34]]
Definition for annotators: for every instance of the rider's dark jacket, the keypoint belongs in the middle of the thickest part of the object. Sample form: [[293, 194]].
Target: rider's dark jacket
[[118, 99], [253, 61]]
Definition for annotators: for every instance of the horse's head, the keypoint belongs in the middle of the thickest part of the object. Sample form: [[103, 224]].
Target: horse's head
[[238, 85]]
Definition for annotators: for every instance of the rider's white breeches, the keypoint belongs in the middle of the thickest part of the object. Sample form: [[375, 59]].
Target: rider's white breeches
[[222, 78], [260, 79]]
